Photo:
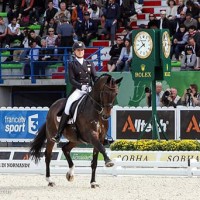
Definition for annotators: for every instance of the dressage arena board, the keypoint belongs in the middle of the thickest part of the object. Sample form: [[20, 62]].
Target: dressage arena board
[[34, 187]]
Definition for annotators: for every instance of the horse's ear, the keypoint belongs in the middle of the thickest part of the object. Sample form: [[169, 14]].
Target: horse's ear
[[118, 80], [109, 79]]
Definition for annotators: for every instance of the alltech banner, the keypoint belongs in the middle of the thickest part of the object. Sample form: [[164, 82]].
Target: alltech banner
[[130, 123], [189, 120], [21, 124]]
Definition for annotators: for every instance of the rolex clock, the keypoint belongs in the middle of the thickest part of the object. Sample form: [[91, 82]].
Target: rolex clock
[[143, 44], [166, 44]]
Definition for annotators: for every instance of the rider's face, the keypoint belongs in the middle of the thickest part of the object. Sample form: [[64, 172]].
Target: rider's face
[[79, 53]]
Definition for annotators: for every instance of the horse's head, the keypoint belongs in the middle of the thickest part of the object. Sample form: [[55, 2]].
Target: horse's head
[[104, 92]]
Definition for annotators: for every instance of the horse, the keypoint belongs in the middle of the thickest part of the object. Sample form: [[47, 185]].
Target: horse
[[90, 127]]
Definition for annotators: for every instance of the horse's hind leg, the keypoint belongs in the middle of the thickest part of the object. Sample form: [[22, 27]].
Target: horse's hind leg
[[48, 152], [94, 166], [66, 150]]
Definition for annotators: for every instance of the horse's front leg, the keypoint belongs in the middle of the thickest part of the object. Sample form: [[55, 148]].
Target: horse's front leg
[[99, 146], [94, 166], [66, 150]]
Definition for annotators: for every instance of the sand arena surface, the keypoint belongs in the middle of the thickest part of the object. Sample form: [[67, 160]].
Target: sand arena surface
[[34, 187]]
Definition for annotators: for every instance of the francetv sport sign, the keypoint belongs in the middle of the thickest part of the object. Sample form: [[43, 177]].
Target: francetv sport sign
[[21, 124], [179, 123]]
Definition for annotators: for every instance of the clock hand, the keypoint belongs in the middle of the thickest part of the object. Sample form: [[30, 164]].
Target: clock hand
[[141, 46]]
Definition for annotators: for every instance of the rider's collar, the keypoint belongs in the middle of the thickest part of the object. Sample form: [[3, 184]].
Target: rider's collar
[[80, 60]]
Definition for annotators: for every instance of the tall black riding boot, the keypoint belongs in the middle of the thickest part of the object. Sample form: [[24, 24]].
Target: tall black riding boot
[[61, 127]]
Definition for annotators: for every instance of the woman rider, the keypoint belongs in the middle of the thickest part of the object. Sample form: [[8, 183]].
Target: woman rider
[[82, 74]]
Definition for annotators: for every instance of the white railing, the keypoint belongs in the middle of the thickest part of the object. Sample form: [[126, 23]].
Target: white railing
[[187, 168]]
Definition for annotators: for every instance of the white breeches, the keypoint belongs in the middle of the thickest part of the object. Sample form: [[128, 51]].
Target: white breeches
[[73, 97]]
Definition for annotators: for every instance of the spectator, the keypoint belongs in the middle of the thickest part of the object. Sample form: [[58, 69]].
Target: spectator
[[51, 42], [193, 9], [189, 21], [89, 29], [32, 57], [25, 44], [191, 97], [3, 32], [52, 24], [61, 13], [164, 23], [65, 33], [125, 58], [96, 13], [181, 8], [14, 9], [26, 12], [127, 9], [35, 37], [38, 10], [14, 37], [189, 59], [42, 64], [77, 13], [115, 53], [179, 41], [159, 94], [153, 21], [112, 15], [48, 16], [171, 98], [171, 9], [196, 46], [193, 32], [14, 33], [179, 20]]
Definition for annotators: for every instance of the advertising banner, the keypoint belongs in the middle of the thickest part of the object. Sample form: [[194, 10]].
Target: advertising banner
[[168, 156], [190, 124], [21, 125], [131, 123]]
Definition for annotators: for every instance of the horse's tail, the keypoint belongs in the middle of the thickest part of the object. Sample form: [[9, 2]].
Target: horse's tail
[[36, 145]]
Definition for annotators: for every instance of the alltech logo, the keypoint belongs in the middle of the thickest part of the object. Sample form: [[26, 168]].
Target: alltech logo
[[190, 124], [130, 124], [138, 125], [193, 125]]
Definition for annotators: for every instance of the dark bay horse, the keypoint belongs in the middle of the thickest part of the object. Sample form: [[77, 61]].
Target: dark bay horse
[[91, 126]]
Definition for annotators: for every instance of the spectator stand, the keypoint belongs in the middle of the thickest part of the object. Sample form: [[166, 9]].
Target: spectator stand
[[55, 68]]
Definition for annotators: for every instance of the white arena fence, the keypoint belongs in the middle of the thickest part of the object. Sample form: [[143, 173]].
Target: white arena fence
[[24, 165], [21, 125]]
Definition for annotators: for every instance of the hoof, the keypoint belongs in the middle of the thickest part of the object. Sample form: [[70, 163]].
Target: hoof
[[94, 185], [109, 163], [69, 177], [51, 184]]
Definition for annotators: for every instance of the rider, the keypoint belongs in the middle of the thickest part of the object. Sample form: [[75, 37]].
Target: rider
[[81, 75]]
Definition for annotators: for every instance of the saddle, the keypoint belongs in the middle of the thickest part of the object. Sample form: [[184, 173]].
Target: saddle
[[73, 110]]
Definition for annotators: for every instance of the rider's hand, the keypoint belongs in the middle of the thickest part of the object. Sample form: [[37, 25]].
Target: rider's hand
[[84, 87], [89, 89]]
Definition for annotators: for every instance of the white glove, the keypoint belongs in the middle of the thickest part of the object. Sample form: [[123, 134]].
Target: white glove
[[89, 88], [84, 87]]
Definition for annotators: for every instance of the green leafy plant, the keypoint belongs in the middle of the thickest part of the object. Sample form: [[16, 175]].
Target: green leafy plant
[[155, 145]]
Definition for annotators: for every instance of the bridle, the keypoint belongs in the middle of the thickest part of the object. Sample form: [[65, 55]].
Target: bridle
[[101, 105]]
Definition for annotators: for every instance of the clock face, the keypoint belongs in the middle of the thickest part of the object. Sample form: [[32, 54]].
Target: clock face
[[166, 44], [143, 45]]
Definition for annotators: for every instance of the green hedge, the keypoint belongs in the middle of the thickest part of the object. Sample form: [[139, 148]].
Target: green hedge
[[154, 145]]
